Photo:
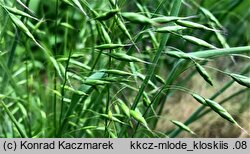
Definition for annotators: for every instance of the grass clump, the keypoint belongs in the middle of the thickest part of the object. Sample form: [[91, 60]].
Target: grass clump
[[110, 68]]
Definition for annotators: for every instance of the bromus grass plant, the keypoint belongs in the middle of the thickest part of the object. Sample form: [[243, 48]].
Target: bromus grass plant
[[112, 68]]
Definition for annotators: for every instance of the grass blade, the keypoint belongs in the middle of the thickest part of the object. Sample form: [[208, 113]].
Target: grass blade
[[198, 41], [221, 111], [203, 73], [23, 28], [242, 80], [182, 126], [138, 116], [200, 99], [137, 18], [107, 15], [13, 119], [168, 29]]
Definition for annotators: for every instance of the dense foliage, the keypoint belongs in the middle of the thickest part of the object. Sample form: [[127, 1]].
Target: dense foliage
[[109, 68]]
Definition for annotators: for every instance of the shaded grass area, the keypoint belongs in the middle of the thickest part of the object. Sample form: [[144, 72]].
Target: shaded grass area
[[117, 68]]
